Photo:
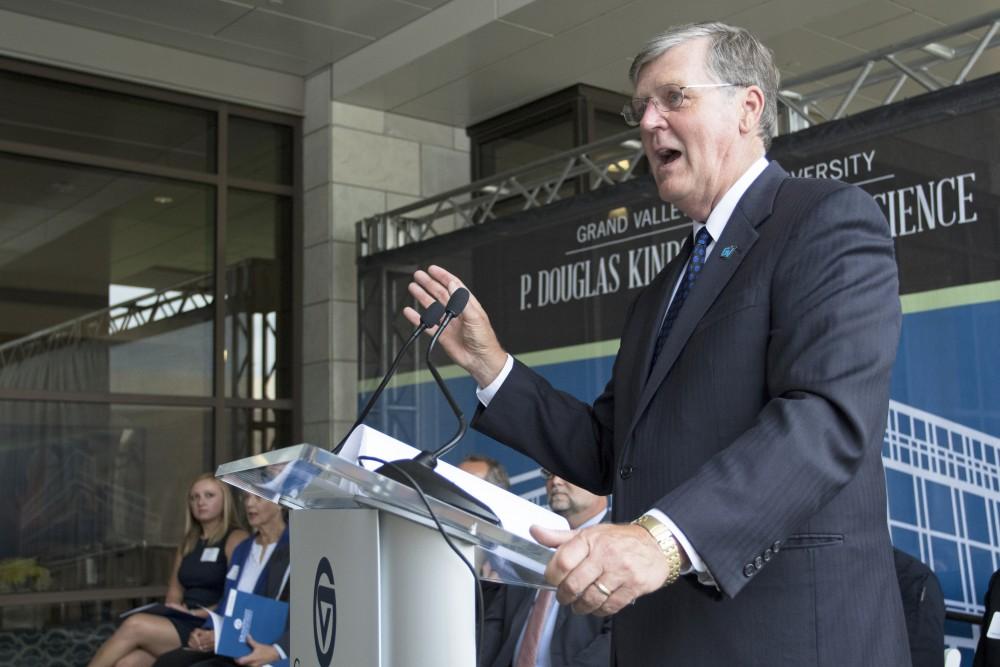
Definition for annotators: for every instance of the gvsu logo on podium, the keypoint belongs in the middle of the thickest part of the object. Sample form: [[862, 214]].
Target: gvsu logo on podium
[[324, 613]]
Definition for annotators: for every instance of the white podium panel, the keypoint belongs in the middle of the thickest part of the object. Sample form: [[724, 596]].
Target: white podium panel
[[370, 588]]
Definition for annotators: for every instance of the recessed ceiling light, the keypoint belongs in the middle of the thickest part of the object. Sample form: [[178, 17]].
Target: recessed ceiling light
[[163, 200], [939, 50]]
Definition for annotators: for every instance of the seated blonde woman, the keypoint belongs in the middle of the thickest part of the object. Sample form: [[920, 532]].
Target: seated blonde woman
[[197, 580], [260, 566]]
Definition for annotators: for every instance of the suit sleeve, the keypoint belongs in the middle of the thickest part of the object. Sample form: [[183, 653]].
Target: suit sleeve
[[598, 652], [983, 655], [560, 432], [835, 320]]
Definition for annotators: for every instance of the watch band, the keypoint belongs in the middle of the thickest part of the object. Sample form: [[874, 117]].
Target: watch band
[[668, 545]]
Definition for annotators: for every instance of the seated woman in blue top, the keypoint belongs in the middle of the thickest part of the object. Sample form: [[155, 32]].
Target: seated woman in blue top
[[199, 574], [260, 565]]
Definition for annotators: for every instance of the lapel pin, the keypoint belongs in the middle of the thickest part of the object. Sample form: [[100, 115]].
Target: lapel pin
[[728, 251]]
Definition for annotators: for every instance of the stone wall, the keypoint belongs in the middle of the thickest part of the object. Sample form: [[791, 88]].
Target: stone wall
[[356, 162]]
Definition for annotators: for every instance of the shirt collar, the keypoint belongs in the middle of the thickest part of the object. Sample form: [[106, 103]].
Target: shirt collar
[[594, 520], [720, 215]]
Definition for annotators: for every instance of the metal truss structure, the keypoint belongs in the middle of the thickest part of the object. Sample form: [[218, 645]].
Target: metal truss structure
[[115, 321], [250, 310], [600, 164], [874, 79], [928, 61]]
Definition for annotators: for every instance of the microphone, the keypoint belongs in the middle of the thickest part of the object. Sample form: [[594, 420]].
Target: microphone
[[420, 470], [429, 318], [456, 304]]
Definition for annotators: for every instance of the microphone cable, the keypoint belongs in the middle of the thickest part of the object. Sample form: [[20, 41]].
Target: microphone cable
[[429, 318]]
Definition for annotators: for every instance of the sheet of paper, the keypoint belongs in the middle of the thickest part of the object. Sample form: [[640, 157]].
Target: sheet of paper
[[516, 514], [217, 620]]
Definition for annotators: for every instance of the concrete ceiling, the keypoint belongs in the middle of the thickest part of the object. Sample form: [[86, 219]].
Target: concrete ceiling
[[462, 61]]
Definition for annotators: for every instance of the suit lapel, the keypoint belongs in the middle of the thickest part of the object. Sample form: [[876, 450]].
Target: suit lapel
[[740, 232]]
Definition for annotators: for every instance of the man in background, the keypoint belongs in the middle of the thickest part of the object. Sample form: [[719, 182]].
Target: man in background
[[528, 628], [488, 468], [923, 609]]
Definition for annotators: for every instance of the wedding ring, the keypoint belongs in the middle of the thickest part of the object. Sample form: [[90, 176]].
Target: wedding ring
[[601, 587]]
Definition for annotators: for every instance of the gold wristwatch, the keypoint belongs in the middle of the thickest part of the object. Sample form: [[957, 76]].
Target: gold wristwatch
[[668, 545]]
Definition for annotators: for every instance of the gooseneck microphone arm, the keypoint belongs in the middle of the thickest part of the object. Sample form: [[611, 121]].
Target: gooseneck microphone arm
[[456, 304], [429, 318], [420, 469]]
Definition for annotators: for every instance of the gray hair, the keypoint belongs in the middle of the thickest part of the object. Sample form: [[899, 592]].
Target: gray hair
[[734, 56]]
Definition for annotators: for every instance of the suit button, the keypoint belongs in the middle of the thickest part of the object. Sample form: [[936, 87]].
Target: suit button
[[748, 570], [758, 562], [767, 554], [625, 472], [776, 546]]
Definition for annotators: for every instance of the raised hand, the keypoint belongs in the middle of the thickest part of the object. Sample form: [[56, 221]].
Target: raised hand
[[469, 340]]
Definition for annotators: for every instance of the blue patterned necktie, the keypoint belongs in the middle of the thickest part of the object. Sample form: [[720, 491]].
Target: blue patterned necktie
[[694, 267]]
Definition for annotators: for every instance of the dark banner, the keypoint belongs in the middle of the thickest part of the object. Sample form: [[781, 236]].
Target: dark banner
[[930, 164]]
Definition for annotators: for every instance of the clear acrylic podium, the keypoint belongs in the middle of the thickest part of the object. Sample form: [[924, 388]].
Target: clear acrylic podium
[[373, 583]]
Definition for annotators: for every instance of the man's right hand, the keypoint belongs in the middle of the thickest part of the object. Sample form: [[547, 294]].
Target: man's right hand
[[469, 340]]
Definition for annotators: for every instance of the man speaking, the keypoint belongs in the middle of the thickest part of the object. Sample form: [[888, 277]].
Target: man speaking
[[740, 432]]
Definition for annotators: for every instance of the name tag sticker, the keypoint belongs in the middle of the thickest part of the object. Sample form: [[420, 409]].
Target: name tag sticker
[[234, 572], [210, 555], [994, 631]]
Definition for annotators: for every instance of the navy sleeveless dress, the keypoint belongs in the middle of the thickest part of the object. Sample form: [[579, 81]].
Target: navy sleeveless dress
[[203, 576]]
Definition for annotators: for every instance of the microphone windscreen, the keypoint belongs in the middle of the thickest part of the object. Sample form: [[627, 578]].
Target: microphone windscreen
[[458, 301], [432, 314]]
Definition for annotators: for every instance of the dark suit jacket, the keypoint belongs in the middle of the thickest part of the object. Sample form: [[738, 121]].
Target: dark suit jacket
[[988, 650], [758, 432], [923, 609], [577, 641]]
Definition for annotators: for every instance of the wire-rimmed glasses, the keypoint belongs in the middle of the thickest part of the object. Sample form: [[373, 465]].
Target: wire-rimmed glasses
[[668, 97]]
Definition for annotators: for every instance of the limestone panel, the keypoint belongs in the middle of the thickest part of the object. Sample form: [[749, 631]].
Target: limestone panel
[[351, 204], [461, 140], [344, 325], [418, 130], [316, 342], [316, 215], [318, 434], [316, 389], [442, 169], [374, 161], [345, 272], [315, 159], [317, 102], [316, 273], [359, 118], [345, 390]]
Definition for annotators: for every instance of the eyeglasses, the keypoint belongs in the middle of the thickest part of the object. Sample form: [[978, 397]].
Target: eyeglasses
[[668, 97]]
